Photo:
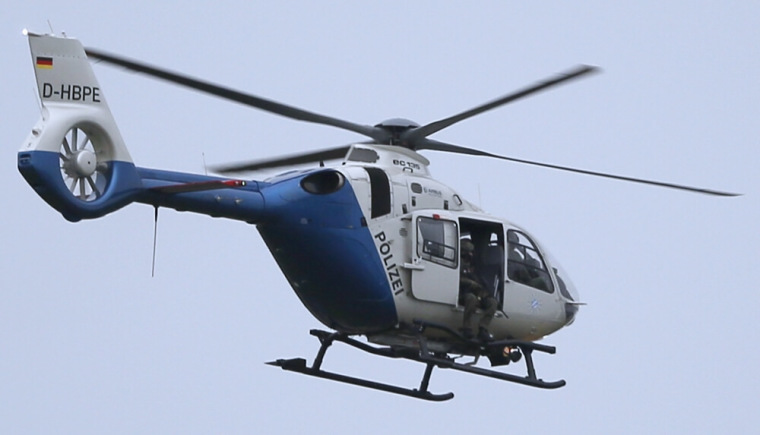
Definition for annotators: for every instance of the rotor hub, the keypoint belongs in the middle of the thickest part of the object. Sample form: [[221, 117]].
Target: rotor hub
[[397, 124], [84, 163], [396, 127]]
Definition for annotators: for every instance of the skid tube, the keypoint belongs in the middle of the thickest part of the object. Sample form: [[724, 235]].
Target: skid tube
[[326, 339], [421, 355]]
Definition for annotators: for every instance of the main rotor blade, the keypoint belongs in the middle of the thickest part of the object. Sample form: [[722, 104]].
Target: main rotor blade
[[426, 130], [240, 97], [295, 159], [441, 146]]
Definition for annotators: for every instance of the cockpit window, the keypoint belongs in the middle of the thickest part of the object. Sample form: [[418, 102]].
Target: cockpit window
[[437, 241], [566, 286], [363, 155], [525, 264]]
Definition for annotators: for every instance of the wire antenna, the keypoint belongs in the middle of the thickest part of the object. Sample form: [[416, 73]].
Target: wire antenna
[[38, 100], [155, 233]]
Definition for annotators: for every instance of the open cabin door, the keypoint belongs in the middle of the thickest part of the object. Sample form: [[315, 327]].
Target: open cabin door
[[488, 257], [435, 257]]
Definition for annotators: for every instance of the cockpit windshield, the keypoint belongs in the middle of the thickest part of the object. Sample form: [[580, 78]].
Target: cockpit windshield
[[566, 287], [525, 264]]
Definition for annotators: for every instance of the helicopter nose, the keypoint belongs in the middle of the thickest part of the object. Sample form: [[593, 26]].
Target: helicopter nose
[[571, 309]]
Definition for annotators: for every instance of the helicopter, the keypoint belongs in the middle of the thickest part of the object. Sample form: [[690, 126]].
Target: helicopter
[[372, 245]]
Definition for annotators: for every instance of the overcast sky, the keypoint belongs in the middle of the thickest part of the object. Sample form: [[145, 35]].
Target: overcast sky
[[90, 343]]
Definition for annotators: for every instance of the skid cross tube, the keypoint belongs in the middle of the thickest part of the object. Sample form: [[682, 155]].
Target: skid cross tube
[[526, 347]]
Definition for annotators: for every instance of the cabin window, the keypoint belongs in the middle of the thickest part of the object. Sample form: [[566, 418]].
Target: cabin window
[[525, 264], [437, 241]]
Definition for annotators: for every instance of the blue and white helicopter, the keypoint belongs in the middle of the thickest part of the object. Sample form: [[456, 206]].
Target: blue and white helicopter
[[371, 245]]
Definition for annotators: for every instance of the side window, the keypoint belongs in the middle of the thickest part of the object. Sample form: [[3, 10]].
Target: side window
[[380, 191], [525, 264], [437, 241]]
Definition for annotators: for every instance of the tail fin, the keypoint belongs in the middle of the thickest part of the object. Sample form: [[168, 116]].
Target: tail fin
[[75, 157]]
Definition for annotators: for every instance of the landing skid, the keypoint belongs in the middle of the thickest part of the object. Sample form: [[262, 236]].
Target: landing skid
[[299, 365], [423, 355]]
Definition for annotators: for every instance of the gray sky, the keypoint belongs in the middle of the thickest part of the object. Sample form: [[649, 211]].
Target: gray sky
[[90, 343]]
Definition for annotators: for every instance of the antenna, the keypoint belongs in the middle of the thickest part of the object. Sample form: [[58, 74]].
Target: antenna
[[155, 233], [52, 32], [38, 100], [205, 168]]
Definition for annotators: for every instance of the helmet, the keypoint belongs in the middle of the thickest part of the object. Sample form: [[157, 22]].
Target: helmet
[[467, 246]]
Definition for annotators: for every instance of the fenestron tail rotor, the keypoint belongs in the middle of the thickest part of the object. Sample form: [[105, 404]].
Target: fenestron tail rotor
[[81, 172], [397, 131]]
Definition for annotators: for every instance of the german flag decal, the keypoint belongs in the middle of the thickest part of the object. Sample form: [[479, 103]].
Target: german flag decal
[[44, 62]]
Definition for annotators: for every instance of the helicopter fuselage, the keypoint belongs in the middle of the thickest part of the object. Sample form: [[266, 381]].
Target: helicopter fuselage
[[372, 245], [368, 246]]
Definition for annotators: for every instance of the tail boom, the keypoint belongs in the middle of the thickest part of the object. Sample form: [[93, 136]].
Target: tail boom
[[76, 160], [213, 196]]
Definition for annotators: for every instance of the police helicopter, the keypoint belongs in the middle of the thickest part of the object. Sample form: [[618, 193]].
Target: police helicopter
[[373, 246]]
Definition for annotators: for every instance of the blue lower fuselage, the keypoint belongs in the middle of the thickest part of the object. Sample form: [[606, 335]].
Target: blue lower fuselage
[[320, 241], [324, 248]]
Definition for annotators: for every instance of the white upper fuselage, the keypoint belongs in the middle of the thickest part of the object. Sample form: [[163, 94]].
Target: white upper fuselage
[[429, 290]]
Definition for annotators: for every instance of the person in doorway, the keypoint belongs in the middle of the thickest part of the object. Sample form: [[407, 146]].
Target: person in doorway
[[473, 295]]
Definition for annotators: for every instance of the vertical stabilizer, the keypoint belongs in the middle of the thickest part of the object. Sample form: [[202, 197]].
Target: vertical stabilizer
[[75, 157]]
